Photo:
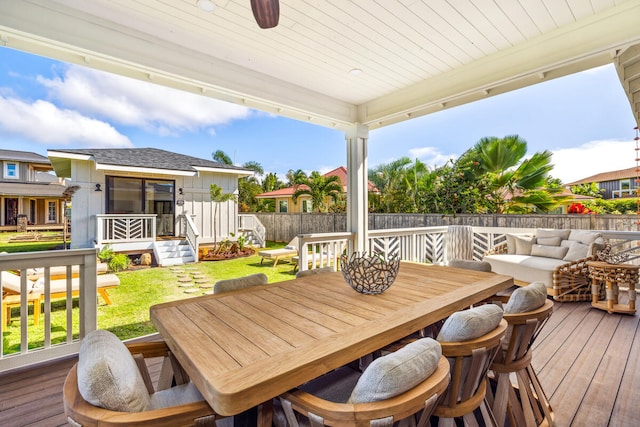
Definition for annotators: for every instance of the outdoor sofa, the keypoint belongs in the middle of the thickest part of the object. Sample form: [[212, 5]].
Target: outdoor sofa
[[558, 258]]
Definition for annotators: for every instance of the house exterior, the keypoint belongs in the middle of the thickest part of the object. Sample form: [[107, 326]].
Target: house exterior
[[29, 192], [284, 196], [133, 197], [616, 184]]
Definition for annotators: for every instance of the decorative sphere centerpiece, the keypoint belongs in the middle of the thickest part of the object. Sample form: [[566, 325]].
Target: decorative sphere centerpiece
[[369, 274]]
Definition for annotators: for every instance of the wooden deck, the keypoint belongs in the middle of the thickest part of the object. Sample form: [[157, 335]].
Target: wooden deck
[[587, 360]]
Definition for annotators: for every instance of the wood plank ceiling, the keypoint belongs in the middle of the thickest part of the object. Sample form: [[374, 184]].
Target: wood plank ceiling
[[415, 56]]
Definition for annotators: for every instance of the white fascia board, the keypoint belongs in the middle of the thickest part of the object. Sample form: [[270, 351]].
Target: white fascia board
[[136, 169], [222, 170], [72, 156]]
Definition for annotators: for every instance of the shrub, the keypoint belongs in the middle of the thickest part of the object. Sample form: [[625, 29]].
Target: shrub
[[119, 262], [106, 253]]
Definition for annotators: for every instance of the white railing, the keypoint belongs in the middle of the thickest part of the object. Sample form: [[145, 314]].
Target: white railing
[[426, 244], [251, 223], [189, 230], [116, 228], [43, 341], [322, 249]]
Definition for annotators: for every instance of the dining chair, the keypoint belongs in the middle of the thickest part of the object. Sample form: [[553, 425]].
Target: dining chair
[[526, 311], [394, 387], [240, 283], [470, 339], [110, 386]]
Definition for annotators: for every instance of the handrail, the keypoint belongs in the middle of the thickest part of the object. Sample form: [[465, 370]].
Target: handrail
[[191, 233], [85, 260], [251, 223], [114, 228]]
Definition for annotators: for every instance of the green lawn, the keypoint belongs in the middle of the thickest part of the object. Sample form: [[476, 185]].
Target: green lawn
[[128, 316], [7, 246]]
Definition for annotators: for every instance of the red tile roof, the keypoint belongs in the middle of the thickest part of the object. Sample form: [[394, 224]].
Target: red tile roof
[[340, 172], [608, 176]]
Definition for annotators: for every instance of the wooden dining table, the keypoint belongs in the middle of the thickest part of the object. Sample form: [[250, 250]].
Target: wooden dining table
[[245, 347]]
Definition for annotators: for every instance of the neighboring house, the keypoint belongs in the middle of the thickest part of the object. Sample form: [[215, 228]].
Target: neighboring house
[[619, 183], [284, 196], [29, 191], [131, 197]]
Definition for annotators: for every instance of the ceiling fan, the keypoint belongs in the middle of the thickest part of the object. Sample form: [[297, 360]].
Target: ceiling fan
[[266, 12]]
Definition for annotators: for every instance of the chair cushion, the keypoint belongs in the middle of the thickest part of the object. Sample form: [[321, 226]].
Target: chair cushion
[[470, 265], [523, 245], [174, 396], [511, 241], [527, 298], [240, 283], [397, 372], [557, 252], [108, 376], [470, 324], [584, 236], [576, 251]]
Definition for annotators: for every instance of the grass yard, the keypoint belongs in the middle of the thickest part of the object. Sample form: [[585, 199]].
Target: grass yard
[[128, 316], [7, 246]]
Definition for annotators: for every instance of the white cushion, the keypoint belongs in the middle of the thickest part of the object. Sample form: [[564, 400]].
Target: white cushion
[[397, 372], [523, 245], [552, 232], [584, 236], [108, 376], [240, 283], [174, 396], [549, 251], [576, 251], [470, 265], [549, 241], [525, 268], [527, 298], [511, 241], [470, 324]]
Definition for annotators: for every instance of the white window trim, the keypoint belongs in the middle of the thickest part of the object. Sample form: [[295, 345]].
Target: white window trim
[[6, 170], [57, 205]]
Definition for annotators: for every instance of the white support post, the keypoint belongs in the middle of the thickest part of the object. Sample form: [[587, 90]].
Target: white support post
[[357, 185]]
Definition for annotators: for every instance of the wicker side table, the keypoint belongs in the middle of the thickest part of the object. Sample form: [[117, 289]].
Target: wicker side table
[[613, 276]]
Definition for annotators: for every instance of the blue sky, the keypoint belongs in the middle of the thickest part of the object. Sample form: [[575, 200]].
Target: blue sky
[[584, 119]]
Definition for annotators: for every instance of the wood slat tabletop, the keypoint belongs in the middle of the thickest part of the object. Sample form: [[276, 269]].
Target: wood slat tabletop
[[244, 346]]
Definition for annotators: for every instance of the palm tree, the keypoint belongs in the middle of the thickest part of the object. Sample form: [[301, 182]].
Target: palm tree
[[221, 157], [217, 196], [508, 174], [319, 187]]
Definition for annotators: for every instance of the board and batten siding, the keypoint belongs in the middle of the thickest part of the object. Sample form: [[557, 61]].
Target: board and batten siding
[[87, 203]]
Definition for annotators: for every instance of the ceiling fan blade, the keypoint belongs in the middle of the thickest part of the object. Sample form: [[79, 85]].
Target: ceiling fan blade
[[266, 12]]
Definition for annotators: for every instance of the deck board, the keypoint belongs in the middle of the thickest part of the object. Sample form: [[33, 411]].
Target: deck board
[[588, 362]]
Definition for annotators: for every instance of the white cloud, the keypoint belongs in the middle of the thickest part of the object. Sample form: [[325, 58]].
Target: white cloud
[[572, 164], [132, 102], [44, 123], [432, 156]]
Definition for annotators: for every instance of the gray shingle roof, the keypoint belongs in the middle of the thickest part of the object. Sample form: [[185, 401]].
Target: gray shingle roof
[[23, 156], [148, 158]]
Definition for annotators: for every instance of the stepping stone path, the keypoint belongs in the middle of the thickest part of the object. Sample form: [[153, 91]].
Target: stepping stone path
[[189, 277]]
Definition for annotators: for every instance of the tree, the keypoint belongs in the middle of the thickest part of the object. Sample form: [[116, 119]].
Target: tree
[[67, 195], [588, 189], [509, 176], [218, 196], [319, 187], [221, 157]]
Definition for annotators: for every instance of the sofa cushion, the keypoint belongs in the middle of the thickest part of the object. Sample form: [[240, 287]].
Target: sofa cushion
[[511, 240], [525, 268], [523, 245], [552, 232], [549, 241], [576, 251], [584, 236], [397, 372], [108, 376], [527, 298], [549, 251], [470, 324]]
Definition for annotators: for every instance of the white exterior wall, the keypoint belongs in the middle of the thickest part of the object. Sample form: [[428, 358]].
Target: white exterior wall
[[87, 202]]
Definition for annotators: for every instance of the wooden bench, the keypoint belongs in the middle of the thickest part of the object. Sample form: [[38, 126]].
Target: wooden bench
[[10, 301]]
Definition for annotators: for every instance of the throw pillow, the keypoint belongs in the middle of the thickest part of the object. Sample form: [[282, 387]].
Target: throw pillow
[[549, 251], [523, 245], [549, 241], [552, 232], [584, 236], [108, 376], [527, 298], [576, 251], [397, 372], [470, 324]]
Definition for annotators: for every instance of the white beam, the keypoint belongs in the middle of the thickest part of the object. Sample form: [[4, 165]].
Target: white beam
[[357, 185]]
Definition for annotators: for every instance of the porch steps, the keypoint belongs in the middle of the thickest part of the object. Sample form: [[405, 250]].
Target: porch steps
[[173, 252]]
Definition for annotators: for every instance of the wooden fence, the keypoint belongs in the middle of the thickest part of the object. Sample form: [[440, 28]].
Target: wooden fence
[[282, 227]]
